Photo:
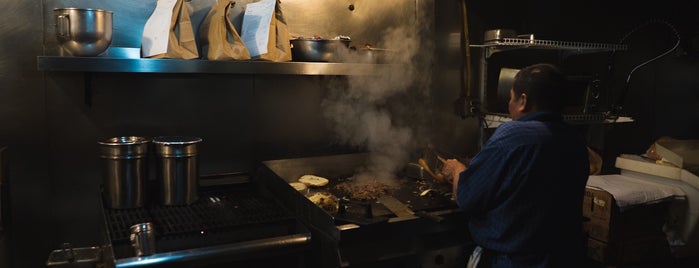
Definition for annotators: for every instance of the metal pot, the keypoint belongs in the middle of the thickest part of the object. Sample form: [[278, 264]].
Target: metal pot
[[83, 32], [318, 50]]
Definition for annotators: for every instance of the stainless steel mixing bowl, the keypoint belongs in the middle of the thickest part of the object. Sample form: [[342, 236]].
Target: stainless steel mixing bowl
[[83, 32]]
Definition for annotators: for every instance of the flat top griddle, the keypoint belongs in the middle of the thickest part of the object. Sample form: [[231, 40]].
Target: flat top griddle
[[341, 168], [407, 190], [418, 194]]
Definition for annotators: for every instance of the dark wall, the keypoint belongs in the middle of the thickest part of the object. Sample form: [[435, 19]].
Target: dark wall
[[662, 95], [23, 129]]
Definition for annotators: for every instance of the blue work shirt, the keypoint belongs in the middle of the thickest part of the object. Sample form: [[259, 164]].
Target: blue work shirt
[[524, 190]]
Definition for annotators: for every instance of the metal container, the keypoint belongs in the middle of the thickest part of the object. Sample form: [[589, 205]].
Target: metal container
[[495, 35], [142, 238], [177, 169], [124, 162], [68, 256], [83, 32], [318, 50]]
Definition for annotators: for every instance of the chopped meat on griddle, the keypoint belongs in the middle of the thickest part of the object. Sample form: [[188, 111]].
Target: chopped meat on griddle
[[364, 191]]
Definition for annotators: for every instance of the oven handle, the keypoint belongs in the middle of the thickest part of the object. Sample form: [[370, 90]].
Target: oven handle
[[287, 241]]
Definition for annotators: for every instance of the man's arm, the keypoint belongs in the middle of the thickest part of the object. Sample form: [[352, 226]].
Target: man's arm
[[474, 186]]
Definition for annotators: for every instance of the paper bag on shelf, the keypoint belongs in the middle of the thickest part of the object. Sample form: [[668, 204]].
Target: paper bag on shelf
[[219, 38], [265, 31], [168, 33]]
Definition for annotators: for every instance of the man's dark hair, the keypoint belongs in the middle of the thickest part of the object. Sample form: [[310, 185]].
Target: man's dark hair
[[544, 85]]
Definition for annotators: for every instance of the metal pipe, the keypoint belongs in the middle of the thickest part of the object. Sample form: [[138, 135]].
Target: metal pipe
[[228, 250], [483, 97]]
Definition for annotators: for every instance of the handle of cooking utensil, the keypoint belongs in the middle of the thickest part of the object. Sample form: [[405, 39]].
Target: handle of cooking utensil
[[427, 168], [63, 25], [68, 251], [343, 204]]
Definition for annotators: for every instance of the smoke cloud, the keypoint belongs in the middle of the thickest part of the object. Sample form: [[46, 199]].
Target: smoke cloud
[[378, 112]]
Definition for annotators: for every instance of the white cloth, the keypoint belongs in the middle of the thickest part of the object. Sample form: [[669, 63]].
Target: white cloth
[[629, 191], [474, 258]]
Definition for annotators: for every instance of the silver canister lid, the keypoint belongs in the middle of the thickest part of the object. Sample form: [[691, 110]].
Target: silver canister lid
[[176, 146], [123, 147]]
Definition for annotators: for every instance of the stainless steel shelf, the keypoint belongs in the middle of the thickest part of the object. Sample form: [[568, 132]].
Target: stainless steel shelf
[[139, 65]]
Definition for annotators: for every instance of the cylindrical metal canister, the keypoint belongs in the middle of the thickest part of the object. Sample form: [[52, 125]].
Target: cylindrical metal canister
[[142, 237], [177, 169], [124, 171]]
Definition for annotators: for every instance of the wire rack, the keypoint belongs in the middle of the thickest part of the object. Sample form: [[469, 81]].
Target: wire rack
[[552, 44]]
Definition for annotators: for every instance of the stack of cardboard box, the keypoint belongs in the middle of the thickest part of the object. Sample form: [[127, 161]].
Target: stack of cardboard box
[[675, 163], [622, 237]]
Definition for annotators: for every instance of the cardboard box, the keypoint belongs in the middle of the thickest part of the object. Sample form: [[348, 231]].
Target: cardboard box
[[647, 166], [641, 249], [682, 153], [597, 208], [606, 223], [639, 164]]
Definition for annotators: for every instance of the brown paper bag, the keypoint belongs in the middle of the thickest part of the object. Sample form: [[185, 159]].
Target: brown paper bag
[[219, 38], [180, 39], [278, 45]]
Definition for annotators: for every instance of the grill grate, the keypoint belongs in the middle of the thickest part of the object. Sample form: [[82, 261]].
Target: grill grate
[[119, 221], [217, 211]]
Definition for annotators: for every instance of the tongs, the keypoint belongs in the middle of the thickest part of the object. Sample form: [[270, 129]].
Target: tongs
[[424, 165]]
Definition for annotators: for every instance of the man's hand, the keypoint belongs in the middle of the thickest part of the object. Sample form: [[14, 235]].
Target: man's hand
[[451, 170]]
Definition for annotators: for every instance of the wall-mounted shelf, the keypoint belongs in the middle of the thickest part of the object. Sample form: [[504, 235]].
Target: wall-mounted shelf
[[138, 65], [494, 120], [505, 44]]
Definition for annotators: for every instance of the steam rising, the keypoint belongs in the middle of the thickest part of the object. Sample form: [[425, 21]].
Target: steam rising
[[376, 111]]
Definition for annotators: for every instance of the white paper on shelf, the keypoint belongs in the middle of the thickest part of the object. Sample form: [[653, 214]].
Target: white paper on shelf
[[255, 31], [156, 31]]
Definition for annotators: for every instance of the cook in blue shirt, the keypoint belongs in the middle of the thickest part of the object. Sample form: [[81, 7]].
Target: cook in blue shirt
[[523, 191]]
